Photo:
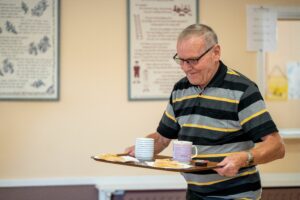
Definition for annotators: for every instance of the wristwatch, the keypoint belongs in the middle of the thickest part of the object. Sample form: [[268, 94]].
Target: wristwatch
[[250, 158]]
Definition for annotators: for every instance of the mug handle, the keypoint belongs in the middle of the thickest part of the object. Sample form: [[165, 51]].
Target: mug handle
[[196, 150]]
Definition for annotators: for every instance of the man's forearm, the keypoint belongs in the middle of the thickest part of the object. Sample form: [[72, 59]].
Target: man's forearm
[[271, 148], [160, 142]]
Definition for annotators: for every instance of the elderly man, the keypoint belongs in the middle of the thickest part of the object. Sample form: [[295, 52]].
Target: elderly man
[[223, 113]]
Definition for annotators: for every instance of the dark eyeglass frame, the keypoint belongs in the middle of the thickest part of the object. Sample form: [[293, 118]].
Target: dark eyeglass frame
[[191, 61]]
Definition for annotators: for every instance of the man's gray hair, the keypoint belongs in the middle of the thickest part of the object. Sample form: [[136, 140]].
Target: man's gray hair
[[201, 30]]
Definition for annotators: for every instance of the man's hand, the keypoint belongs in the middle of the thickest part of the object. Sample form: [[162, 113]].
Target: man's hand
[[271, 148], [231, 164], [130, 151]]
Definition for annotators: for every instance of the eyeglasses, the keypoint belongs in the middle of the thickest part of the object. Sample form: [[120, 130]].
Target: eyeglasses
[[191, 61]]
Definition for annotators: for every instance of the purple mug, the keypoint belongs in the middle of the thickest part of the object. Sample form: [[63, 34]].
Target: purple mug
[[182, 151]]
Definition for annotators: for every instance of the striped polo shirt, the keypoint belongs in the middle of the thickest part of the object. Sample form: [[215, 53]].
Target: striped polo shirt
[[227, 116]]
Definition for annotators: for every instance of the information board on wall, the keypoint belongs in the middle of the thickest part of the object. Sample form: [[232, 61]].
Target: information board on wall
[[261, 28], [29, 49], [153, 28]]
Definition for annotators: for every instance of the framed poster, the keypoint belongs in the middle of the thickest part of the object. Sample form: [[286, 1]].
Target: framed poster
[[29, 54], [153, 28]]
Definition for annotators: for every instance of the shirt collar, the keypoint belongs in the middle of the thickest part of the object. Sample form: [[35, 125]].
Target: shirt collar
[[219, 76]]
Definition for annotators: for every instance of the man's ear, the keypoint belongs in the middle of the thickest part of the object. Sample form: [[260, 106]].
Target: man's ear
[[217, 52]]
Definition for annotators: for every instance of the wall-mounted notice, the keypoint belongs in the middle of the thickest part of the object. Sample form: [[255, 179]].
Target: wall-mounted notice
[[29, 49], [261, 28], [153, 27]]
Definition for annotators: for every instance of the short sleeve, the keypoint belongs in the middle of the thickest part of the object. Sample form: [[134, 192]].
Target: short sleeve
[[253, 115], [168, 126]]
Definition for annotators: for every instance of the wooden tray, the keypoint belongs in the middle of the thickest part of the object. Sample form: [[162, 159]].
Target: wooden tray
[[193, 168]]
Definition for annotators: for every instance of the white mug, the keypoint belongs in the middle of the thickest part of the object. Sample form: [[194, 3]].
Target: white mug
[[144, 149], [182, 151]]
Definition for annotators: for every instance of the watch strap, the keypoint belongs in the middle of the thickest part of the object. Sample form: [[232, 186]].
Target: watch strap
[[250, 158]]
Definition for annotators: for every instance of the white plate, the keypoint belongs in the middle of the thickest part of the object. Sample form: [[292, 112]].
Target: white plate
[[130, 158], [182, 166]]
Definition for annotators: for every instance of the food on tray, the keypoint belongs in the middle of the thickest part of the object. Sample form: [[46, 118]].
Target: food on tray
[[167, 163], [112, 157], [202, 163]]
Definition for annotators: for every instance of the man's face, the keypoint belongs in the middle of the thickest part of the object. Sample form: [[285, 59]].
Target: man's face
[[201, 72]]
